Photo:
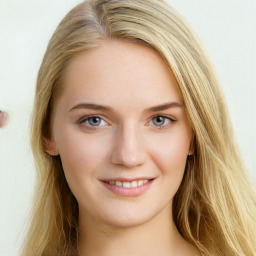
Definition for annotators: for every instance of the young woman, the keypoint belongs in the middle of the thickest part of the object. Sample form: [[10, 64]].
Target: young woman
[[132, 140]]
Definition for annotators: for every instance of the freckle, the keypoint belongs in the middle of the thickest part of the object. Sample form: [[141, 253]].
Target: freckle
[[3, 119]]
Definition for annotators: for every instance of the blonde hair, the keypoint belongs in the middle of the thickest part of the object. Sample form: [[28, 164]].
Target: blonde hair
[[215, 206]]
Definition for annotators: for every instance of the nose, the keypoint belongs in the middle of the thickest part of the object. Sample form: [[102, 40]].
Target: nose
[[128, 149]]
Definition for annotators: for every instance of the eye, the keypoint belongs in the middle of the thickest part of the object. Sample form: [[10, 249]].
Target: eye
[[93, 121], [161, 121]]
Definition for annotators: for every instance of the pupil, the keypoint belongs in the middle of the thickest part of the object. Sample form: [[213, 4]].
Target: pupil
[[159, 120], [95, 121]]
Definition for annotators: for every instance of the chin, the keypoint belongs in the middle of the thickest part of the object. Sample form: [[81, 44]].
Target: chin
[[127, 218], [125, 222]]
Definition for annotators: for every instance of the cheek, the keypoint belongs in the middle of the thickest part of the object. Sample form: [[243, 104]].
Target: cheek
[[81, 154], [170, 153]]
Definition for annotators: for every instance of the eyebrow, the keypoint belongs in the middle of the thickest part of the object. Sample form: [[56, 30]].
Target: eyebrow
[[109, 109], [164, 106], [92, 106]]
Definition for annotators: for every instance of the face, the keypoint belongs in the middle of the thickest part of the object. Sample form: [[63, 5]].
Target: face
[[121, 131]]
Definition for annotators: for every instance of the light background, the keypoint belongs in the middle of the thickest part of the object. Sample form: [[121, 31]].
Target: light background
[[227, 29]]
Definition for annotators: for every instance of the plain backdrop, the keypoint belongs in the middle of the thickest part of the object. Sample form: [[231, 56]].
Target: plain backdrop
[[227, 29]]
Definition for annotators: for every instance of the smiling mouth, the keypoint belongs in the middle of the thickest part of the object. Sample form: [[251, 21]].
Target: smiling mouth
[[128, 184], [128, 188]]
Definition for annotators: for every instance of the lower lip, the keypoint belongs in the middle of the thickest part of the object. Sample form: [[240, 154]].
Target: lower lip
[[128, 192]]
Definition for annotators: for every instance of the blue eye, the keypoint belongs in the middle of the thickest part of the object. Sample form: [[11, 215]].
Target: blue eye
[[94, 121], [161, 120]]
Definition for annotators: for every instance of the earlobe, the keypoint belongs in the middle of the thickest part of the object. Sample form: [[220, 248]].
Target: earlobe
[[191, 150], [50, 147]]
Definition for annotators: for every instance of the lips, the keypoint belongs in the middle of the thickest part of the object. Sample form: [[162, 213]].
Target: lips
[[128, 187]]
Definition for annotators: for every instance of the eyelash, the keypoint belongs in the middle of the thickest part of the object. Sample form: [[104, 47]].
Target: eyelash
[[88, 126], [86, 118], [166, 118]]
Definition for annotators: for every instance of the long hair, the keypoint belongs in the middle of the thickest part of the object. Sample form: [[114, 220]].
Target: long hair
[[215, 206]]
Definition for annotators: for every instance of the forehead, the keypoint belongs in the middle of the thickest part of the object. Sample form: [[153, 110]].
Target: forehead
[[120, 72]]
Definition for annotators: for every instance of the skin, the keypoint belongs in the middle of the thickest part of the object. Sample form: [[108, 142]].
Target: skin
[[129, 142]]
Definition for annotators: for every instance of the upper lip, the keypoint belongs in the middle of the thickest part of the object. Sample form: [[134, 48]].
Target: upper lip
[[122, 179]]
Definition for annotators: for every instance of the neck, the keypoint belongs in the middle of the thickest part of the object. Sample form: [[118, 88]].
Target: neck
[[157, 236]]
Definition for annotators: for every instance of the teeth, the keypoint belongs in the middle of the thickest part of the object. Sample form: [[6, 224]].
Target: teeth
[[119, 183], [140, 182], [134, 184], [127, 184]]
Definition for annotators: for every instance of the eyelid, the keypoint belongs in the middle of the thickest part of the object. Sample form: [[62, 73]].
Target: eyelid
[[85, 118], [170, 118]]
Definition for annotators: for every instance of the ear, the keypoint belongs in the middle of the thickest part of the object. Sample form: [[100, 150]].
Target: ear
[[50, 147]]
